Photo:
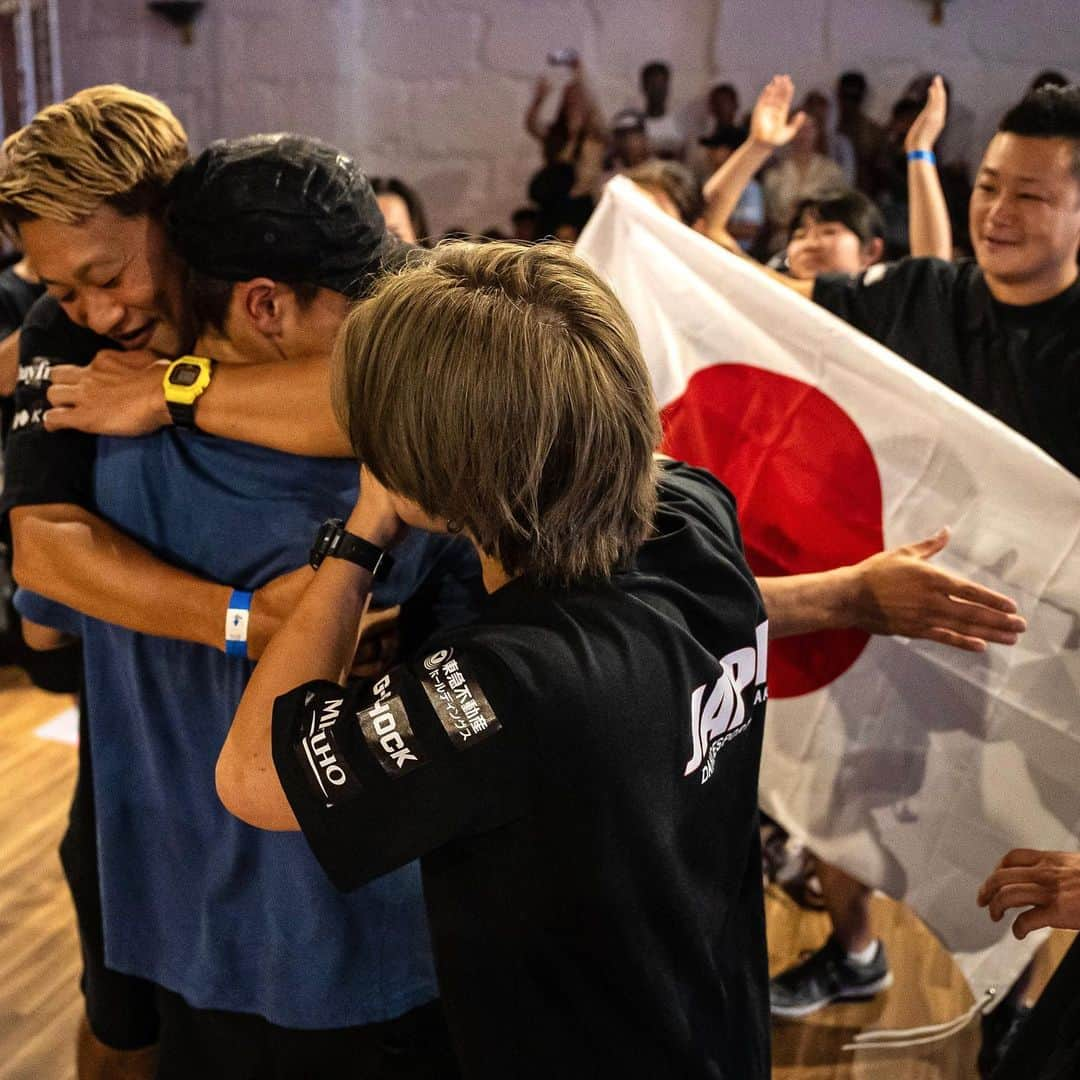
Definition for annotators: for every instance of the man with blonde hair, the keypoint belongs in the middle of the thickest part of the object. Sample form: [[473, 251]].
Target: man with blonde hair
[[192, 900], [579, 770]]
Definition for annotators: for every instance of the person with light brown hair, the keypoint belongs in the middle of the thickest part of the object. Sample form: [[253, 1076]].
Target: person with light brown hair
[[578, 770]]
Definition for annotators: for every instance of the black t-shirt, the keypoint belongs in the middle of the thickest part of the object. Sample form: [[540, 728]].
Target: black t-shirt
[[579, 772], [1020, 364], [17, 296], [43, 467]]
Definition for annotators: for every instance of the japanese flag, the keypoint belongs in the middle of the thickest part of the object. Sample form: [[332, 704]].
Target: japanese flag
[[911, 765]]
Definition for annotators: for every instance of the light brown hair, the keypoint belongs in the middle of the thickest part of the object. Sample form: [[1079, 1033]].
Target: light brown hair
[[106, 145], [674, 180], [503, 387]]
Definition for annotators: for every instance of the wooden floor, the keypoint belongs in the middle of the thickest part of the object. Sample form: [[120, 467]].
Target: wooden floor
[[39, 964], [40, 1001]]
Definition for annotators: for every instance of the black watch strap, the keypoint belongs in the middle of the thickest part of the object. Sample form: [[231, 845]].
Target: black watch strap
[[182, 415], [332, 541]]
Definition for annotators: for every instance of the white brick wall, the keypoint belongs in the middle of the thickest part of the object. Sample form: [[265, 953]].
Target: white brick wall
[[435, 90]]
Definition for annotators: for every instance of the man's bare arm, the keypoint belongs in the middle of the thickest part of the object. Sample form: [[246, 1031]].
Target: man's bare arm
[[69, 555], [928, 217], [770, 129], [279, 406], [894, 592]]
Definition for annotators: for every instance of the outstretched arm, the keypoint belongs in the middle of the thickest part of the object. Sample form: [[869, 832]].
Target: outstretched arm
[[280, 406], [894, 592], [928, 223], [1047, 883], [74, 557], [770, 128]]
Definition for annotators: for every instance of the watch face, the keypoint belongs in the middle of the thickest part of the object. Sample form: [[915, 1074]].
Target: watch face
[[185, 374]]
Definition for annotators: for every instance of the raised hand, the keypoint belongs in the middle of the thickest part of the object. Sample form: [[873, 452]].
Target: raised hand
[[928, 125], [770, 124]]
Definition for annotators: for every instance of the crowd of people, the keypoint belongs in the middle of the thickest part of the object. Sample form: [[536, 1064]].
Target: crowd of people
[[421, 801]]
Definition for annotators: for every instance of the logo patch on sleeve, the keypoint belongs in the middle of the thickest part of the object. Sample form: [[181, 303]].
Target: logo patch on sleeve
[[320, 755], [458, 700], [390, 737]]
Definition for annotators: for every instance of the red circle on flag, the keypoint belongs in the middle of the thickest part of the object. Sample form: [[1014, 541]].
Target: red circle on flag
[[807, 486]]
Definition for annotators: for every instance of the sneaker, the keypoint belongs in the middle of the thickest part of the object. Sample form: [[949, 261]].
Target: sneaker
[[824, 976]]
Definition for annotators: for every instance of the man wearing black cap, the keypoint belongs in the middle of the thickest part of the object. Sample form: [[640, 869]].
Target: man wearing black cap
[[258, 966]]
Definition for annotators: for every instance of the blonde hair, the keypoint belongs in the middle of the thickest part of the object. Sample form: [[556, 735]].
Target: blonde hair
[[103, 145], [502, 387]]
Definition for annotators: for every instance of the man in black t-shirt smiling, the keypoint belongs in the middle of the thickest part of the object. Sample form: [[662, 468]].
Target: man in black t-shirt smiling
[[578, 770], [1004, 331]]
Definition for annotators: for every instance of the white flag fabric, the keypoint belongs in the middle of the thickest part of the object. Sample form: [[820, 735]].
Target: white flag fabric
[[911, 765]]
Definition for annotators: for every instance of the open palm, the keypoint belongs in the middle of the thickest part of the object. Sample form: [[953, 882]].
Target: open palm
[[769, 122]]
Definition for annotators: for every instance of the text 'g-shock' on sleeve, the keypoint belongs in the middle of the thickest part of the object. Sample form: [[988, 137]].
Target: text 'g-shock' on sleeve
[[380, 773]]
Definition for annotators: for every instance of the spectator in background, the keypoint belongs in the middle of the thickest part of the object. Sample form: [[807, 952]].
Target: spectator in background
[[831, 142], [672, 187], [573, 147], [837, 231], [401, 209], [524, 223], [748, 217], [629, 146], [803, 173], [865, 136], [890, 187], [842, 230], [723, 106], [665, 133]]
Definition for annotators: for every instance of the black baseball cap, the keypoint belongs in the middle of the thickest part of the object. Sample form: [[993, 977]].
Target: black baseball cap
[[282, 206]]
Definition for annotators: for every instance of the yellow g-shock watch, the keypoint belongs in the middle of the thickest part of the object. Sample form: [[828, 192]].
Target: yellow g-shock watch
[[185, 380]]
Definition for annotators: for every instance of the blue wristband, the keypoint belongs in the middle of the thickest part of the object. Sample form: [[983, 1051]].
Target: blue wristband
[[922, 155], [236, 624]]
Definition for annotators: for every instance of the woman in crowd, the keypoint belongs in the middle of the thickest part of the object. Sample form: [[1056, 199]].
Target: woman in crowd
[[401, 209], [573, 146]]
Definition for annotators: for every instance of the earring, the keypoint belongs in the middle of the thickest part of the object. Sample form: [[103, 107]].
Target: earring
[[453, 526]]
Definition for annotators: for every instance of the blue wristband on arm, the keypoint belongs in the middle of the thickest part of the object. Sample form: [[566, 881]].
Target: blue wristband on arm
[[236, 624], [922, 155]]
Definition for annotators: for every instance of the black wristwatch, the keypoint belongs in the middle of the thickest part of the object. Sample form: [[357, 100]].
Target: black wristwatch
[[332, 540]]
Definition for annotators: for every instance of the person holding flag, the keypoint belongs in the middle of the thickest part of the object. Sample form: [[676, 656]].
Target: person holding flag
[[999, 329]]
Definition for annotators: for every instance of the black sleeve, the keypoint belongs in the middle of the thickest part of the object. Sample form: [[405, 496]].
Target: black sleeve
[[381, 773], [873, 300], [43, 467]]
